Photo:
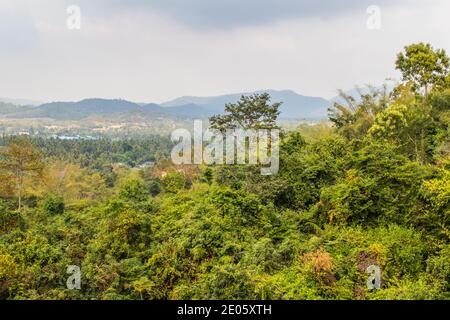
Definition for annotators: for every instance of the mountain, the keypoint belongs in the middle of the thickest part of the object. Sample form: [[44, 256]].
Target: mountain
[[84, 109], [192, 110], [294, 105], [152, 107], [9, 108]]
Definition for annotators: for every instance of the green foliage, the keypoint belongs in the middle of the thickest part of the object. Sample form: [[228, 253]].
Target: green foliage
[[134, 190], [421, 64], [53, 205], [374, 189], [411, 127], [173, 182], [381, 186], [250, 112], [353, 118], [21, 159], [209, 175], [154, 187]]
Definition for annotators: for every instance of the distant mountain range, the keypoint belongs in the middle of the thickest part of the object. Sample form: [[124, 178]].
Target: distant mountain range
[[82, 109], [10, 108], [295, 106]]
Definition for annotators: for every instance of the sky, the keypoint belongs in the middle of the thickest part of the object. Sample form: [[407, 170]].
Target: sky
[[154, 51]]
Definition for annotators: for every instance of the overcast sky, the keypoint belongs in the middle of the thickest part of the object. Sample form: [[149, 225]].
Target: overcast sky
[[152, 51]]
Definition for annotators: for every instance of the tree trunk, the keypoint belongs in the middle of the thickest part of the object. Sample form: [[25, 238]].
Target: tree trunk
[[20, 199], [20, 191]]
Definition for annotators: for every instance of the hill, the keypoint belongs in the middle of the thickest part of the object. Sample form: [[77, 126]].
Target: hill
[[294, 104]]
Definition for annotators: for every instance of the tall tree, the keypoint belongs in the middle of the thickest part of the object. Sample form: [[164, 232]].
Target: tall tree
[[354, 115], [424, 66], [21, 159], [250, 112]]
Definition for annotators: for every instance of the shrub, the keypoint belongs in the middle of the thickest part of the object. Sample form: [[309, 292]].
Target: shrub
[[53, 205]]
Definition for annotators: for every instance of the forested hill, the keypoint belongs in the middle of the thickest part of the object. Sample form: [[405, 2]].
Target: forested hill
[[372, 190], [294, 106]]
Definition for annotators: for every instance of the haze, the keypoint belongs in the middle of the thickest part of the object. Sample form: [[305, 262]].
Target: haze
[[153, 51]]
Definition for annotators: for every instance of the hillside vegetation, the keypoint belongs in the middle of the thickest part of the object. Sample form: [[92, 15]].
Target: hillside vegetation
[[372, 190]]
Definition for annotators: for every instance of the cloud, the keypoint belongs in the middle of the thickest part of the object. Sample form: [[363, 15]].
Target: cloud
[[135, 52], [17, 31], [219, 14]]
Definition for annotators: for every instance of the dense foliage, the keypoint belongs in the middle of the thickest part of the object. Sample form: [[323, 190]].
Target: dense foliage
[[372, 190]]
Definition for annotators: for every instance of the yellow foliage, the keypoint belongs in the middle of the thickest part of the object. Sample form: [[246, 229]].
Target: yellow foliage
[[72, 182], [319, 260]]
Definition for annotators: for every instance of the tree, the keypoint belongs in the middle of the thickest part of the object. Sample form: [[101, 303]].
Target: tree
[[250, 112], [410, 127], [208, 174], [134, 190], [22, 159], [423, 65], [352, 116], [53, 205], [173, 181]]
